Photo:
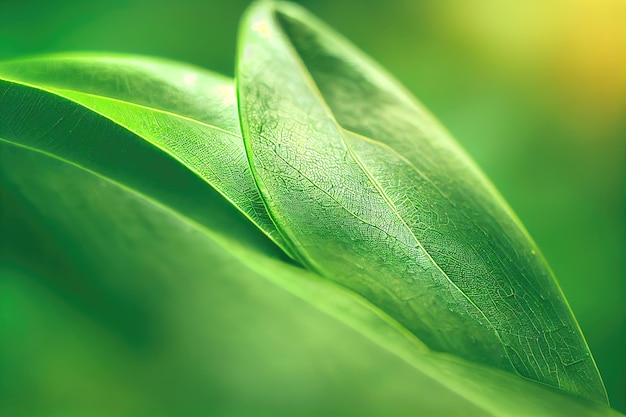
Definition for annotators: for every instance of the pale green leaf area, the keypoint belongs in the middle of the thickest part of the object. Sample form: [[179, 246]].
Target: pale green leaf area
[[174, 87], [188, 112], [73, 132], [371, 192], [163, 315], [145, 255]]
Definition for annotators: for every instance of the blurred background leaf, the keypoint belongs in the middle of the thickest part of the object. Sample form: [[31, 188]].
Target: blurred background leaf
[[535, 91]]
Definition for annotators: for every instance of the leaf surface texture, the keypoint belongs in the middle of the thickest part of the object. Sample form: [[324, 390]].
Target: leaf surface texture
[[371, 192]]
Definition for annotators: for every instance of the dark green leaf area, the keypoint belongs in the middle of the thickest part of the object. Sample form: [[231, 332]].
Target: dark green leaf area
[[122, 303], [187, 112], [374, 194], [42, 121], [129, 308]]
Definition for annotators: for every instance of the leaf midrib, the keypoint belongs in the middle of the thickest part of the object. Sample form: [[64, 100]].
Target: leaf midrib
[[310, 82], [292, 12], [223, 241], [61, 92]]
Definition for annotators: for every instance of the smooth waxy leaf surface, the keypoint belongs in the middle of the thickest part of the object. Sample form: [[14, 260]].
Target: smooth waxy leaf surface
[[124, 256], [163, 295], [187, 112], [126, 307], [370, 191]]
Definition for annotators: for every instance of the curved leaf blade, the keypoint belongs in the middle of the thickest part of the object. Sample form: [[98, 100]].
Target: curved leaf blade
[[88, 204], [46, 122], [187, 112], [374, 194], [165, 301], [138, 310], [158, 83]]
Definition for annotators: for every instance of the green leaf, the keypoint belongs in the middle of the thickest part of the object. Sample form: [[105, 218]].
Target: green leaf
[[118, 294], [187, 112], [371, 192], [118, 305], [131, 287]]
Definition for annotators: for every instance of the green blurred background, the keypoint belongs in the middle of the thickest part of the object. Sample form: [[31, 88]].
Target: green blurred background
[[534, 90]]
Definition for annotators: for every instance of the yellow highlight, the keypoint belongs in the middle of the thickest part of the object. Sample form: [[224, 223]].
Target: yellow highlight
[[262, 29]]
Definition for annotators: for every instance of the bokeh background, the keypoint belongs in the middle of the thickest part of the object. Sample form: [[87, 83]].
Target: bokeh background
[[534, 90]]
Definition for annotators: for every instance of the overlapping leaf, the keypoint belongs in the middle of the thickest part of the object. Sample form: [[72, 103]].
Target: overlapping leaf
[[113, 177], [188, 112], [371, 192], [165, 293], [127, 307]]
